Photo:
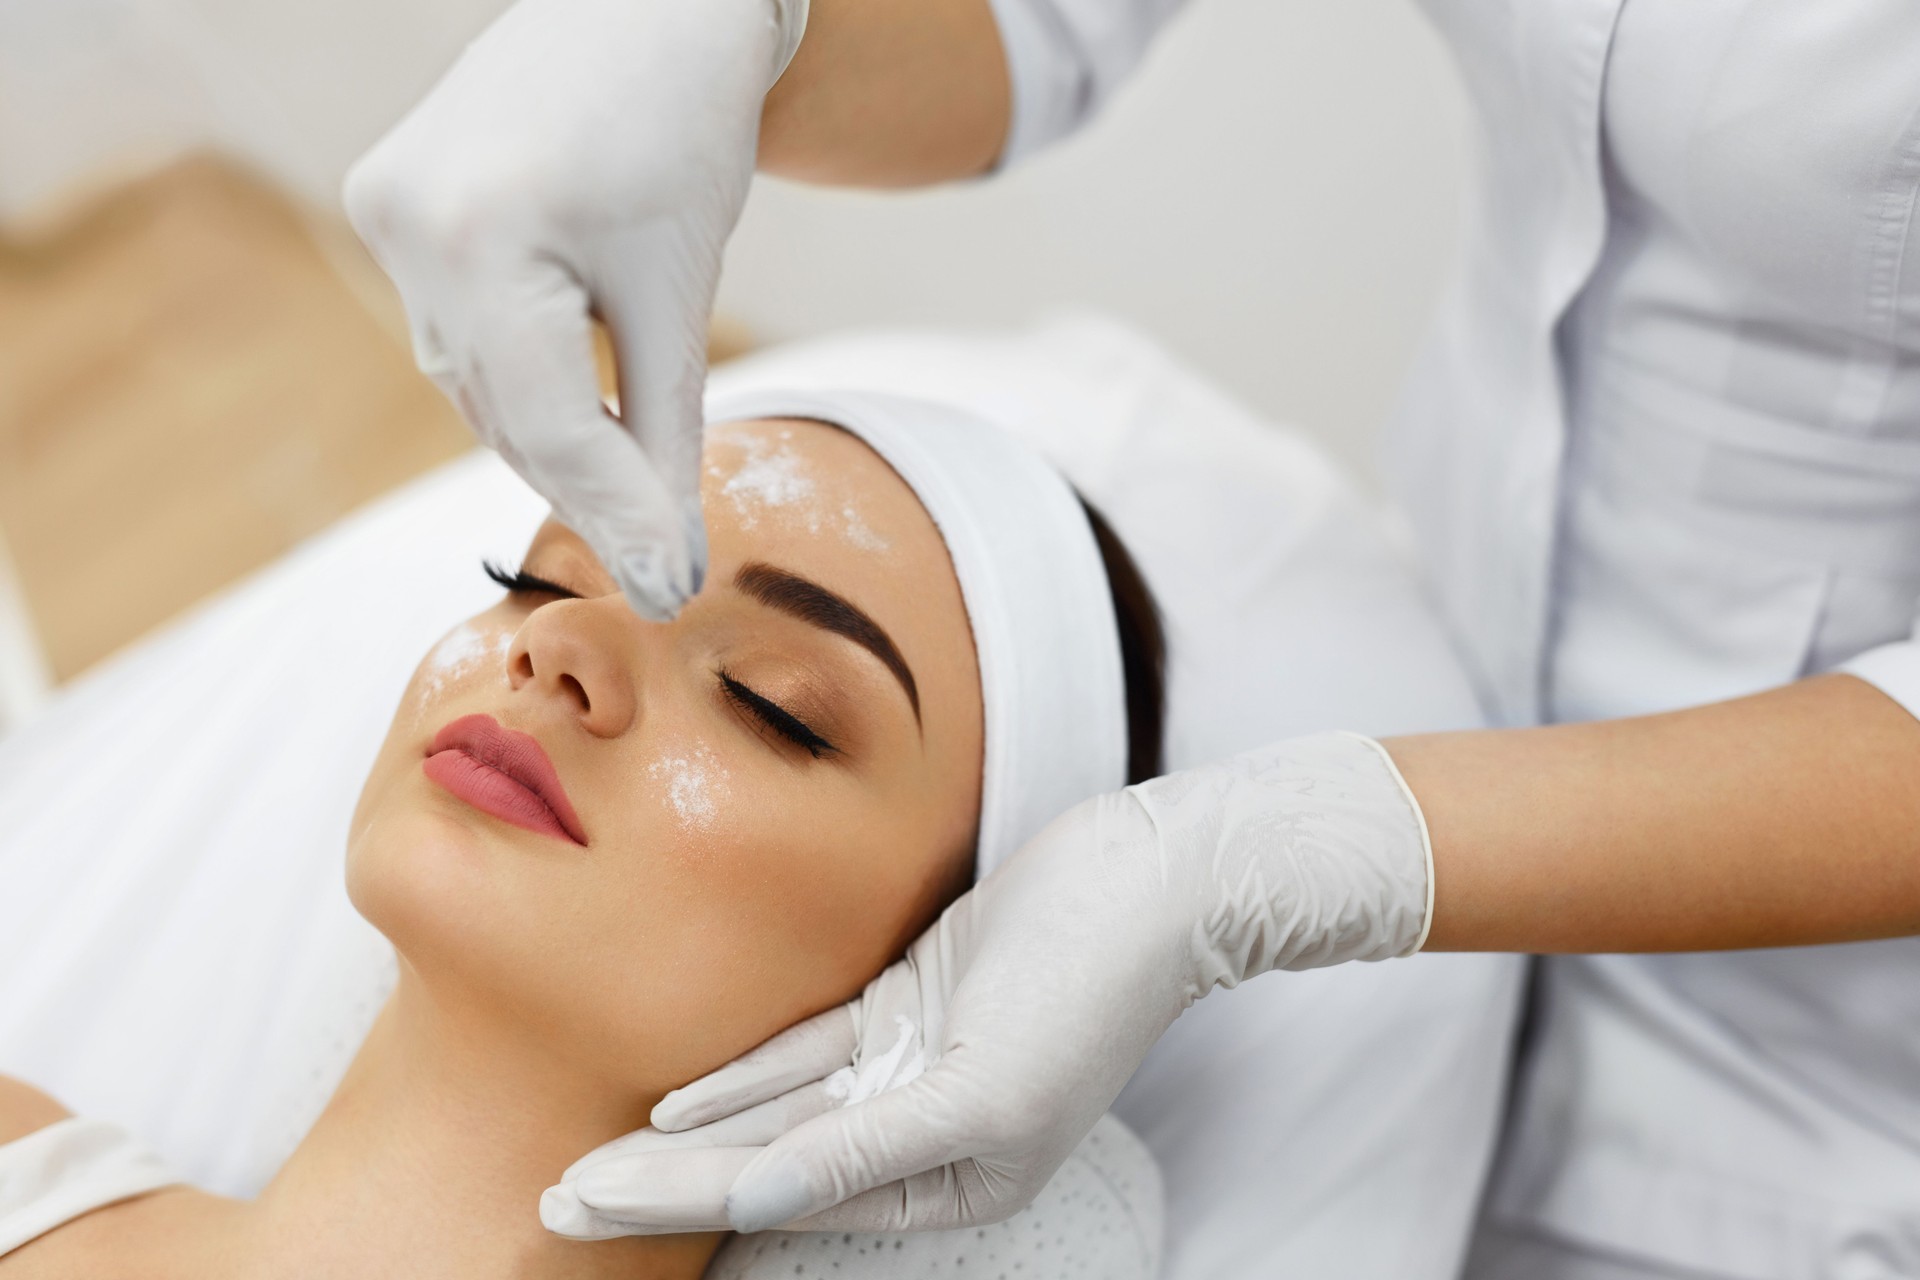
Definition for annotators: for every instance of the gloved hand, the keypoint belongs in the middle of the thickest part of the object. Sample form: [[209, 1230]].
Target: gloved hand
[[583, 157], [948, 1093]]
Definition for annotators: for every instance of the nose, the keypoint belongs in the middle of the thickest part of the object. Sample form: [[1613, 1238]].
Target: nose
[[581, 655]]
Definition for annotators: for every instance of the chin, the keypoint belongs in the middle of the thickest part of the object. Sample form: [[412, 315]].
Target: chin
[[424, 877], [462, 905]]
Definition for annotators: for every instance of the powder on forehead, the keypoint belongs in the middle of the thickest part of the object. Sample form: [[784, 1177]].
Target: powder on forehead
[[773, 475], [776, 477]]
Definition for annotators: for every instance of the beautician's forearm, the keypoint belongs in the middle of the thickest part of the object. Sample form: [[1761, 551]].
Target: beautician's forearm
[[1783, 819], [889, 93]]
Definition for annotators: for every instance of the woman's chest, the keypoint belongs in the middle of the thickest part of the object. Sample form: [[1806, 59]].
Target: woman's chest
[[1780, 139], [1778, 142]]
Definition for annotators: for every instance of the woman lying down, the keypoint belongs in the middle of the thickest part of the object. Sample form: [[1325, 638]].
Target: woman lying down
[[612, 855]]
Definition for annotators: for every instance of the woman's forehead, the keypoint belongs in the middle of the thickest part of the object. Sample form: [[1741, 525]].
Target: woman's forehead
[[801, 478], [812, 499]]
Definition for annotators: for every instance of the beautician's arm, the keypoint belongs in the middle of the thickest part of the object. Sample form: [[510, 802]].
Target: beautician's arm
[[898, 92], [889, 93], [1790, 817]]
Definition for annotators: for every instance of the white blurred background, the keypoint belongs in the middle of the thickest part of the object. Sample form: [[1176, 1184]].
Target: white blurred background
[[1276, 197]]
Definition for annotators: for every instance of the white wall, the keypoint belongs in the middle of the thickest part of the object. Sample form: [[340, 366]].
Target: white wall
[[1275, 195], [295, 87]]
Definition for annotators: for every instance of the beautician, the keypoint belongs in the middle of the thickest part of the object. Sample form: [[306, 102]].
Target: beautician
[[1662, 456]]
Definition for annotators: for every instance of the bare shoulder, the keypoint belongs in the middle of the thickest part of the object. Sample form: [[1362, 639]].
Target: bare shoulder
[[25, 1109]]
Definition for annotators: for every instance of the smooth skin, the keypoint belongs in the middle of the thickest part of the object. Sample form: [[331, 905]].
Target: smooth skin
[[1789, 818]]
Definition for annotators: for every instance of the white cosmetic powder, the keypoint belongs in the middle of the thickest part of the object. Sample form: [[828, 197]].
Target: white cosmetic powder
[[856, 531], [460, 653], [890, 1070], [695, 785], [774, 478]]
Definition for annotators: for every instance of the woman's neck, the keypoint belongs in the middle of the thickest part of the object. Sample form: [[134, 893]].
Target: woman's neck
[[431, 1156]]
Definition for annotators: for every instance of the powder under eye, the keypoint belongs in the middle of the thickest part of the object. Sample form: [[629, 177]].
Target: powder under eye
[[462, 651], [694, 785]]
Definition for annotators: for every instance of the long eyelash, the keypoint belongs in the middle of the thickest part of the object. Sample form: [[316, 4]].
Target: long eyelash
[[520, 582], [776, 718]]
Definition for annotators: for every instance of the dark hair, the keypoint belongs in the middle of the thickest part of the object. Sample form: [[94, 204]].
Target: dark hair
[[1143, 651]]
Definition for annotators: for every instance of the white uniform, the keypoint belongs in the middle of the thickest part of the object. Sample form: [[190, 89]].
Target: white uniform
[[1663, 449]]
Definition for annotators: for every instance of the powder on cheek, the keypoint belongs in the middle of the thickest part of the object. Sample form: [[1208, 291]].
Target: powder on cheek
[[461, 652], [695, 785]]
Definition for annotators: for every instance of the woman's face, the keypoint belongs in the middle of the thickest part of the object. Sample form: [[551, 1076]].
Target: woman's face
[[771, 795]]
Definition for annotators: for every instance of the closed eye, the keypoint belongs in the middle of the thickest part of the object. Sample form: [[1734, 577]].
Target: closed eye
[[775, 717], [522, 583]]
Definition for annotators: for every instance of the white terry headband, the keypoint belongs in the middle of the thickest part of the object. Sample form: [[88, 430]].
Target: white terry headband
[[1051, 684]]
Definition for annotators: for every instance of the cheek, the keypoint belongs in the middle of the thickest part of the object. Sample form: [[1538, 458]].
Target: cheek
[[572, 950], [695, 791], [472, 656], [796, 912]]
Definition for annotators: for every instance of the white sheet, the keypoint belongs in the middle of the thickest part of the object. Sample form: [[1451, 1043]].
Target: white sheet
[[180, 956]]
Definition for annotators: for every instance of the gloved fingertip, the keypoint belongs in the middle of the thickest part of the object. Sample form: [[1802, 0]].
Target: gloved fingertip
[[671, 1114], [609, 1184], [685, 1109], [696, 541], [768, 1193], [648, 592], [562, 1213]]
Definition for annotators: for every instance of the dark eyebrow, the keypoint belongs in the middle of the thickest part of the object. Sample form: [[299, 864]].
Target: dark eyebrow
[[812, 603]]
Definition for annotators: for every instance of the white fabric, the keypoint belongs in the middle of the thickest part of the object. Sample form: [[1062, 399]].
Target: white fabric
[[1502, 1254], [1741, 507], [73, 1166], [1065, 57], [1044, 633], [1744, 364], [181, 957], [1664, 448], [1100, 1216]]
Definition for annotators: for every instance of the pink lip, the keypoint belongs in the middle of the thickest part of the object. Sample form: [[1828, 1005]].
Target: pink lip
[[504, 773]]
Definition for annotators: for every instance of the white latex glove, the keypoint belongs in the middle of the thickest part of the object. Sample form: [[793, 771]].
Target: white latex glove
[[583, 157], [949, 1092]]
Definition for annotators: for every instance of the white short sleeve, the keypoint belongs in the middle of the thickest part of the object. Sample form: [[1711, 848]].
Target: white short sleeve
[[1894, 669], [1065, 57]]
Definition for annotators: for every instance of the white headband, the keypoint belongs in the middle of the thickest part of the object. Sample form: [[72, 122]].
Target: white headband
[[1051, 684]]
